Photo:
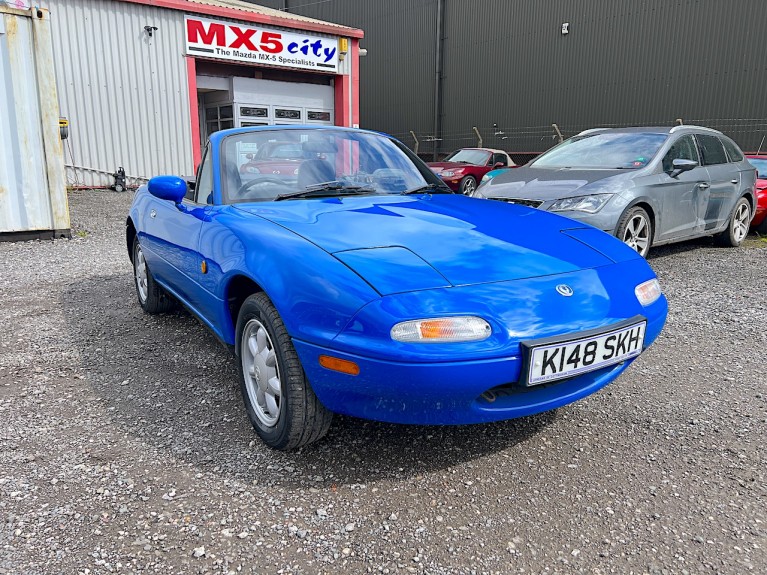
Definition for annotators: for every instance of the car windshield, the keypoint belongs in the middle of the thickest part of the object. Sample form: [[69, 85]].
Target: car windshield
[[266, 165], [760, 165], [603, 150], [469, 156]]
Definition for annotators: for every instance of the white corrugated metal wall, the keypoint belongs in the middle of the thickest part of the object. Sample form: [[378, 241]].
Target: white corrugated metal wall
[[32, 189], [125, 94]]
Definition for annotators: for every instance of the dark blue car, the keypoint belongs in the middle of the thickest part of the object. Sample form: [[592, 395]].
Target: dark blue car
[[358, 283]]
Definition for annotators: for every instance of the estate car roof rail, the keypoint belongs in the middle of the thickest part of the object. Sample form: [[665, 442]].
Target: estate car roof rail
[[705, 129], [591, 131]]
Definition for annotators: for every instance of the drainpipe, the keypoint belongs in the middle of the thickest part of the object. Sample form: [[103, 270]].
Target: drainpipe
[[439, 46]]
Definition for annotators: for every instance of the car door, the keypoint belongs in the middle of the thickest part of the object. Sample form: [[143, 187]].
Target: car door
[[724, 180], [173, 234], [683, 198]]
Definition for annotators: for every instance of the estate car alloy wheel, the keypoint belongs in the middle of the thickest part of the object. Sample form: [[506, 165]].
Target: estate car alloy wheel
[[152, 298], [635, 230], [280, 402], [737, 227]]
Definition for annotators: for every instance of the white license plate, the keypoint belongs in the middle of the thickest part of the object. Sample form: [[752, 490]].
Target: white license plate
[[553, 361]]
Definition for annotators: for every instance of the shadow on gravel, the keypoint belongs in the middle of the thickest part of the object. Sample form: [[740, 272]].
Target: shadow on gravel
[[751, 241], [171, 387]]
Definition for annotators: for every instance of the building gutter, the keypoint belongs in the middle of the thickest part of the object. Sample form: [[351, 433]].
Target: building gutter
[[438, 50]]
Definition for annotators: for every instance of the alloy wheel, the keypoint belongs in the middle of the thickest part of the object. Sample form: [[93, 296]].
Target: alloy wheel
[[141, 275], [741, 221], [261, 372], [637, 234]]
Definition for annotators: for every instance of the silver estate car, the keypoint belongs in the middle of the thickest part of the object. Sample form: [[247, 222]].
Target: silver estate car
[[646, 186]]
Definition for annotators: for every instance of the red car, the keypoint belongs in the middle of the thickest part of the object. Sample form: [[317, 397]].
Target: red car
[[280, 159], [462, 169], [759, 223]]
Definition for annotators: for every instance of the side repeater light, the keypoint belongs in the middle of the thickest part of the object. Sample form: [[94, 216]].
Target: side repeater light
[[337, 364]]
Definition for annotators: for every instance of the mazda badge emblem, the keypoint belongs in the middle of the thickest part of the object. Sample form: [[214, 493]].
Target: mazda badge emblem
[[565, 290]]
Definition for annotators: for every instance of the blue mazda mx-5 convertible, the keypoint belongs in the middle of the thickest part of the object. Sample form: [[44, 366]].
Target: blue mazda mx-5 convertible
[[347, 278]]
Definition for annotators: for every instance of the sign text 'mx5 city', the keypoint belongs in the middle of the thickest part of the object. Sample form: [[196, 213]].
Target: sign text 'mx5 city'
[[242, 43]]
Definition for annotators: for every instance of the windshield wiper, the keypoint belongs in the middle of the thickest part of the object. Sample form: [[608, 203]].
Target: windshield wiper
[[328, 189], [428, 188]]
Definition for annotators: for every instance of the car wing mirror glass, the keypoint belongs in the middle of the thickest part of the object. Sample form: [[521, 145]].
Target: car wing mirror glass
[[681, 165], [171, 188]]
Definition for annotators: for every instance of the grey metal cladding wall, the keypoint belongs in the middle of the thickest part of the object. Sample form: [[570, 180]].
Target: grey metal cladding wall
[[623, 62], [397, 75], [126, 96]]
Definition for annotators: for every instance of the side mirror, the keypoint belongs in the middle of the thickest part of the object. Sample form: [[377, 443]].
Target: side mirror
[[170, 188], [681, 165], [498, 165]]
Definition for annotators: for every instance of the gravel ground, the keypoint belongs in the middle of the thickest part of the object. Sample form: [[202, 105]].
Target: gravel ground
[[124, 446]]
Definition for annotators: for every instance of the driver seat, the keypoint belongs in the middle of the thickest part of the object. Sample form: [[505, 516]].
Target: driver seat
[[313, 172]]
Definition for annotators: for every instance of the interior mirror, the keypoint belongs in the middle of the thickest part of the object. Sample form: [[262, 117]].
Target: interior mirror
[[170, 188], [680, 165]]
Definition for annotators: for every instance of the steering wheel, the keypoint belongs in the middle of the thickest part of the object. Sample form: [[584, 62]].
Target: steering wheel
[[244, 190]]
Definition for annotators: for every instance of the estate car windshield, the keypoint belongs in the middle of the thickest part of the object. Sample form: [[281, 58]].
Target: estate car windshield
[[604, 150], [266, 165], [469, 156]]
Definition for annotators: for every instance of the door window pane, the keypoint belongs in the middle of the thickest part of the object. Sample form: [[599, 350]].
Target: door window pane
[[204, 185], [711, 150], [732, 150], [682, 149]]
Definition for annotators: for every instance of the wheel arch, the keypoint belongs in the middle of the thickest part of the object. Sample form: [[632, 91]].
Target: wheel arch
[[130, 235], [645, 204], [238, 289], [751, 201]]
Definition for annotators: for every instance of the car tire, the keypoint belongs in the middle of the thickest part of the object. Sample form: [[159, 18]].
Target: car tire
[[737, 226], [151, 297], [635, 230], [279, 400], [467, 186]]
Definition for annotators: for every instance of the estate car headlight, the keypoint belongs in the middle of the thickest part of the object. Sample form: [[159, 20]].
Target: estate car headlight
[[589, 204], [442, 330], [648, 292]]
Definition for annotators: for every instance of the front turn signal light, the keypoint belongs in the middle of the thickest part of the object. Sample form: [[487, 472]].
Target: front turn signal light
[[648, 292], [442, 330]]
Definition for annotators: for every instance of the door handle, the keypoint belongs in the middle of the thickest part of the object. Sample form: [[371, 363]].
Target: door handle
[[703, 186], [734, 181]]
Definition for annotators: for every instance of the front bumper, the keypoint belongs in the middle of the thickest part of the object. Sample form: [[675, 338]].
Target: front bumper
[[450, 393], [454, 183]]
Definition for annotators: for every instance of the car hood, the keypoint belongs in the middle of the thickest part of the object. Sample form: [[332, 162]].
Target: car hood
[[440, 166], [550, 184], [402, 243]]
